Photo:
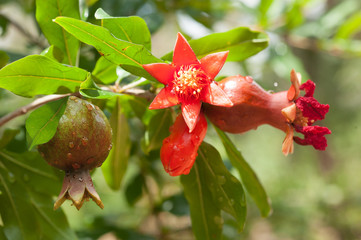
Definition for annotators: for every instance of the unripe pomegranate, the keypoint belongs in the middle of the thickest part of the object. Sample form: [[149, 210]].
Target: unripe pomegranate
[[81, 143]]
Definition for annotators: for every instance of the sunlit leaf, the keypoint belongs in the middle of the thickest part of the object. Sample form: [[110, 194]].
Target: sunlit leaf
[[248, 176], [116, 164], [42, 123], [54, 53], [34, 75], [128, 55], [105, 71], [132, 29], [241, 43], [350, 27], [46, 11]]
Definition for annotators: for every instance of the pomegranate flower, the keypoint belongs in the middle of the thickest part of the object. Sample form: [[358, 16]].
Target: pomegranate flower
[[301, 115], [286, 110], [188, 81], [179, 150]]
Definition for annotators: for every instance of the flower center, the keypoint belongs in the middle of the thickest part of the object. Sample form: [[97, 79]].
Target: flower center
[[300, 119], [189, 82]]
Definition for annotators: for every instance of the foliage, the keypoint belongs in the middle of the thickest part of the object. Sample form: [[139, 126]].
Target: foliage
[[97, 49]]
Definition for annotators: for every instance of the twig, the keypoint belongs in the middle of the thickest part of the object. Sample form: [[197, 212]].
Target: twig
[[35, 104], [32, 39]]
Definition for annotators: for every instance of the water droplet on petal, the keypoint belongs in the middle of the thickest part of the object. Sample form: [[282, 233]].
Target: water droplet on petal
[[80, 179]]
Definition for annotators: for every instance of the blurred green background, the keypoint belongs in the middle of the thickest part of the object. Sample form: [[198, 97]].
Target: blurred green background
[[315, 195]]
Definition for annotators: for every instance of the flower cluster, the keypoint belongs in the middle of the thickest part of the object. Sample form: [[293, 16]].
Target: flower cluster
[[236, 104]]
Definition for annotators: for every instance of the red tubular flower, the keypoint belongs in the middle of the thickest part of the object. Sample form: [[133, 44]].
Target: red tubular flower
[[253, 106], [179, 150], [189, 81]]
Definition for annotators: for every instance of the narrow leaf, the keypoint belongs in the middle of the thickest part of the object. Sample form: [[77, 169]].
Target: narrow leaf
[[34, 75], [42, 123], [248, 176], [227, 191], [46, 11], [132, 29], [206, 217], [116, 164], [128, 55], [241, 43]]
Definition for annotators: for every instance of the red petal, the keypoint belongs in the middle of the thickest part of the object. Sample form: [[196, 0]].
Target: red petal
[[190, 113], [183, 53], [309, 88], [216, 96], [164, 99], [163, 72], [312, 109], [179, 150], [212, 63], [314, 135]]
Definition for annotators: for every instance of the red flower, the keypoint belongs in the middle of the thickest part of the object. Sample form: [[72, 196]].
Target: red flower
[[179, 150], [303, 113], [286, 110], [189, 81]]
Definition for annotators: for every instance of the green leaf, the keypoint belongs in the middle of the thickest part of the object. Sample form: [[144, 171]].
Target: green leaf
[[4, 58], [128, 55], [26, 183], [132, 29], [46, 11], [349, 27], [53, 53], [89, 89], [42, 123], [34, 75], [116, 164], [158, 129], [105, 71], [241, 43], [227, 191], [248, 176], [7, 136], [205, 214], [133, 190]]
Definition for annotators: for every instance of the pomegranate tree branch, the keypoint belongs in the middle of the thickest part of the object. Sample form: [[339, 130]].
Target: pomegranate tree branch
[[31, 106]]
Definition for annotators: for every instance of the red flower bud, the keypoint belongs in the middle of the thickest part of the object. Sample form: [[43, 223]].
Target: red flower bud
[[253, 106], [179, 150]]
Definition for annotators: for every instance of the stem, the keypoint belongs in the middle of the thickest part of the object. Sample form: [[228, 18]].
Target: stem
[[32, 39], [31, 106]]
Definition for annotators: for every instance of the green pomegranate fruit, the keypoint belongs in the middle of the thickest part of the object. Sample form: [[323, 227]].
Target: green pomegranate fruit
[[82, 142]]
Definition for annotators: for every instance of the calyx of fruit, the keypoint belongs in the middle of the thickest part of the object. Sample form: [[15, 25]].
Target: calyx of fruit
[[82, 142]]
